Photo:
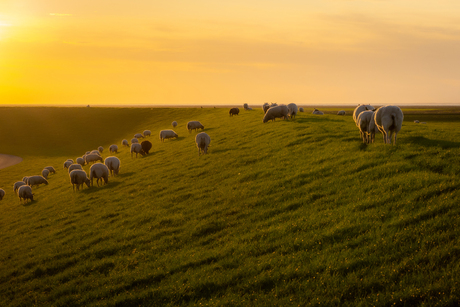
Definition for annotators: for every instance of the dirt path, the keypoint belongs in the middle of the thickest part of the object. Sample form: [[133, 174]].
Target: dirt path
[[8, 160]]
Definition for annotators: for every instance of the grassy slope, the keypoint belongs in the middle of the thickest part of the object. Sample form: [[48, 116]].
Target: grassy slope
[[294, 212]]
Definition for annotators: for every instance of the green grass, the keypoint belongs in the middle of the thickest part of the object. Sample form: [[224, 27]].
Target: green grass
[[283, 213]]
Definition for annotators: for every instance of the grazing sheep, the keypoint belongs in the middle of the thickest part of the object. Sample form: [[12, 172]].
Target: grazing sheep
[[360, 108], [372, 130], [113, 164], [276, 112], [234, 111], [341, 112], [125, 143], [138, 136], [245, 106], [146, 146], [317, 112], [416, 121], [78, 177], [88, 152], [95, 152], [265, 107], [17, 184], [25, 179], [248, 109], [202, 141], [70, 160], [292, 107], [91, 158], [146, 133], [51, 169], [100, 149], [134, 140], [25, 192], [136, 148], [364, 118], [74, 167], [174, 124], [389, 120], [113, 148], [194, 125], [81, 160], [36, 180], [45, 173], [273, 104], [167, 134], [100, 172], [2, 194], [67, 163], [300, 109]]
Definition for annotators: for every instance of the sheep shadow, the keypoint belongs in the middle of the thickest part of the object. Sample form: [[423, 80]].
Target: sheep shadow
[[423, 141], [123, 175], [96, 188]]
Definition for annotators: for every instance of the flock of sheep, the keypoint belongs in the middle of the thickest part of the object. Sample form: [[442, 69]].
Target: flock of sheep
[[387, 119]]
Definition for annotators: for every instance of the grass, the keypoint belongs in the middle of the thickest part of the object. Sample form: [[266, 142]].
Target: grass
[[284, 213]]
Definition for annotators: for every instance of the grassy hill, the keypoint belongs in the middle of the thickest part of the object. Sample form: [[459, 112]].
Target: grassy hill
[[283, 213]]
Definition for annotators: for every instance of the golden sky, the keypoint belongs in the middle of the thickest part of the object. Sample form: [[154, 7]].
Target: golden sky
[[212, 52]]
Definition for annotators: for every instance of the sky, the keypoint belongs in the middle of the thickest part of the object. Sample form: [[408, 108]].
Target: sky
[[203, 52]]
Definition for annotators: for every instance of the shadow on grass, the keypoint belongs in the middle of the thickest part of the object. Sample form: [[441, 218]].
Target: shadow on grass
[[421, 140], [95, 188]]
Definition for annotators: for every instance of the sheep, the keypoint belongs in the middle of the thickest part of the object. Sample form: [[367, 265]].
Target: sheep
[[100, 149], [67, 163], [360, 108], [248, 109], [416, 121], [245, 106], [113, 164], [125, 143], [70, 160], [265, 107], [138, 136], [45, 173], [194, 125], [273, 104], [51, 169], [92, 158], [146, 133], [167, 134], [88, 152], [174, 124], [113, 148], [276, 112], [2, 194], [234, 111], [363, 121], [146, 146], [136, 148], [25, 179], [78, 177], [317, 112], [202, 141], [300, 109], [94, 152], [74, 167], [372, 130], [100, 172], [292, 107], [81, 160], [36, 180], [25, 192], [389, 120], [17, 184], [134, 140], [341, 112]]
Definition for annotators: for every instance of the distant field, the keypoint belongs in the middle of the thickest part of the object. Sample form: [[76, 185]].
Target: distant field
[[284, 213]]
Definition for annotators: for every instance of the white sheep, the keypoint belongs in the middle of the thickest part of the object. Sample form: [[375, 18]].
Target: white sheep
[[146, 133], [74, 167], [276, 112], [136, 148], [360, 108], [36, 180], [174, 124], [113, 164], [292, 107], [70, 160], [167, 134], [100, 149], [341, 112], [17, 184], [248, 109], [245, 106], [194, 125], [134, 140], [202, 141], [317, 112], [92, 158], [81, 160], [389, 120], [372, 130], [51, 169], [113, 148], [67, 163], [100, 172], [78, 177], [95, 152], [25, 179], [88, 152], [25, 192], [265, 107], [2, 194], [125, 143], [138, 136], [300, 109], [45, 173], [364, 118], [416, 121]]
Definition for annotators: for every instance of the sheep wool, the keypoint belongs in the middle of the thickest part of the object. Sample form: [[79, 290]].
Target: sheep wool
[[78, 177], [360, 108], [138, 136], [146, 146], [276, 112], [16, 186], [113, 164], [147, 133], [194, 125], [45, 173], [174, 124], [74, 167], [363, 121], [125, 143], [317, 112], [389, 121], [293, 110], [136, 148], [51, 169], [202, 141], [36, 180], [234, 111], [25, 192], [167, 134], [113, 148], [100, 172]]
